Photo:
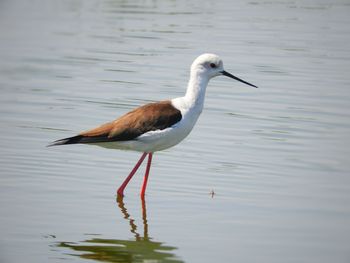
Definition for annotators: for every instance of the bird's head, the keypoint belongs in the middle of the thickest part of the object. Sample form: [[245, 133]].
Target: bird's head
[[211, 65]]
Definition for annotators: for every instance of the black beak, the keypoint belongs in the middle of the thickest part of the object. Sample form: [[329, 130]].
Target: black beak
[[241, 80]]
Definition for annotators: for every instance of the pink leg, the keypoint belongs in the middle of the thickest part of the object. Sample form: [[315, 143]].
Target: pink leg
[[145, 178], [120, 191]]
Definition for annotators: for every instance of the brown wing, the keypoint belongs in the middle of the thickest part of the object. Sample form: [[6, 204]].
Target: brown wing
[[150, 117]]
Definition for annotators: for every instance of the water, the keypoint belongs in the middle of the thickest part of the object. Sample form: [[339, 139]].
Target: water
[[276, 158]]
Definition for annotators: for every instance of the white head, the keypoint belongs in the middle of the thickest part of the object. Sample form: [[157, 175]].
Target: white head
[[208, 64], [211, 65]]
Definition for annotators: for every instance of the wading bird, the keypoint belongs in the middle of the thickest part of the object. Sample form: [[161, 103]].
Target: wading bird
[[156, 126]]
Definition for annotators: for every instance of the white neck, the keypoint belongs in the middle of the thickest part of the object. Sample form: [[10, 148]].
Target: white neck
[[196, 88]]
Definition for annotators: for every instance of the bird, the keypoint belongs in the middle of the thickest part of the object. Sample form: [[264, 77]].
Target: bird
[[159, 125]]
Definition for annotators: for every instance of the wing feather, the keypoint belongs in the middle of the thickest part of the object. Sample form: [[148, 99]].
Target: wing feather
[[150, 117]]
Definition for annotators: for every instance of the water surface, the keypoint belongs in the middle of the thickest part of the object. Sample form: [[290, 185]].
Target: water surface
[[263, 177]]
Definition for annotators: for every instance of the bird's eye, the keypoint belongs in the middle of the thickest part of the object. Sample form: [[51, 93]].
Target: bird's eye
[[212, 65]]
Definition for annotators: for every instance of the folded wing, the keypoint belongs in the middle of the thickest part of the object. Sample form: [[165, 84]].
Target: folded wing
[[150, 117]]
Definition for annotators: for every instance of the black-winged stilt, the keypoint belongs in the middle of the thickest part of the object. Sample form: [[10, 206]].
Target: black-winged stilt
[[156, 126]]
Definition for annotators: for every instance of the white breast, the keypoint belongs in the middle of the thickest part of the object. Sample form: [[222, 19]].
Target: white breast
[[163, 139]]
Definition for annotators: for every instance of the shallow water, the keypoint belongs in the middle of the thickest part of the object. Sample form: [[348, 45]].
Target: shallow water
[[264, 176]]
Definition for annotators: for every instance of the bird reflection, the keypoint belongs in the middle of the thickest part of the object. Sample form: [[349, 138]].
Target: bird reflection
[[132, 224], [142, 249]]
